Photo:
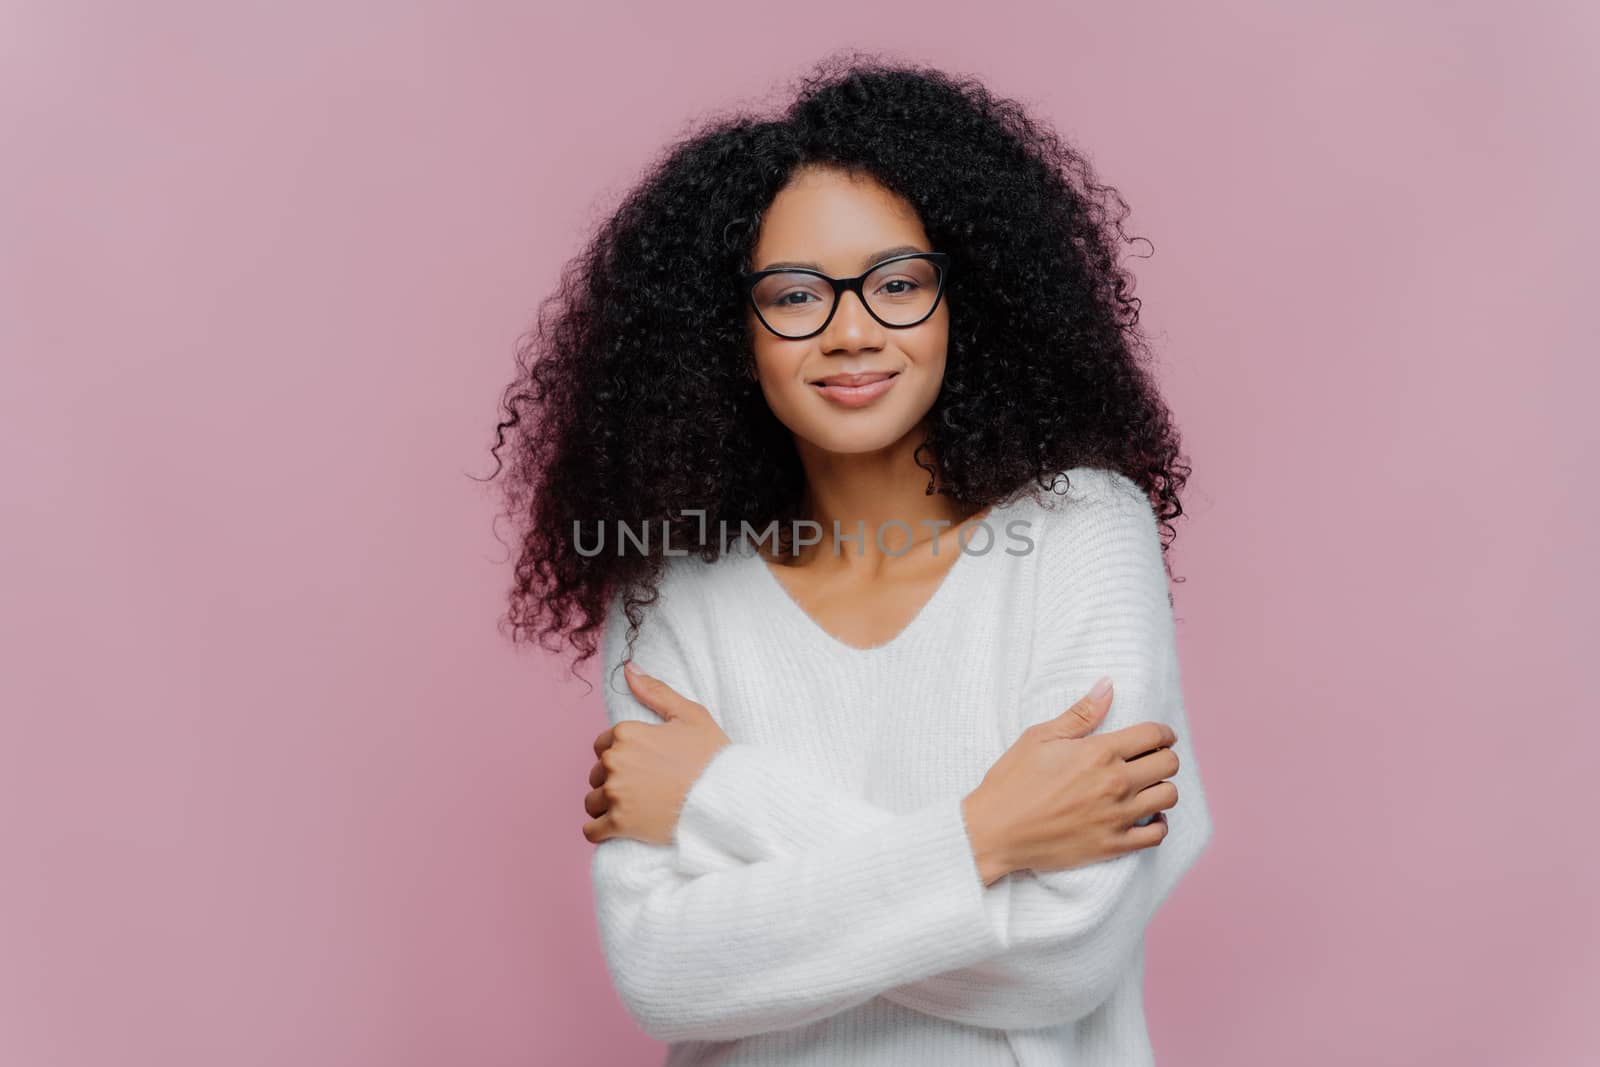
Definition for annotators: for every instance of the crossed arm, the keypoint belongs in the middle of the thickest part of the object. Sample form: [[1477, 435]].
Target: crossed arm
[[1065, 936], [785, 900]]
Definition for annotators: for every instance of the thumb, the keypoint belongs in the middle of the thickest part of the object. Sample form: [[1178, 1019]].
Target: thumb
[[657, 695], [1081, 719]]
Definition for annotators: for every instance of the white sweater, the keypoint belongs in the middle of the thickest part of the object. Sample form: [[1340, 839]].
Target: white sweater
[[821, 903]]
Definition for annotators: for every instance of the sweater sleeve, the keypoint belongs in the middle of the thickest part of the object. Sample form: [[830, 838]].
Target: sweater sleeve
[[788, 939], [1067, 936]]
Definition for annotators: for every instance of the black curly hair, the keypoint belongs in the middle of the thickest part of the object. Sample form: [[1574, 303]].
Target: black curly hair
[[634, 400]]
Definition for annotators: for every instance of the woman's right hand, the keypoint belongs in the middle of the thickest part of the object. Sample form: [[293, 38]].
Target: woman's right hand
[[1058, 798]]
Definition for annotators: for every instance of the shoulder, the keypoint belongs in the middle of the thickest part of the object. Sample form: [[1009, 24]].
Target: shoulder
[[1089, 503], [684, 587], [675, 619], [695, 590], [1097, 524], [1093, 488]]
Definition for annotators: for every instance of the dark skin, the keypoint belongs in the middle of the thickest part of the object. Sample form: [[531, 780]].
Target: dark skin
[[1058, 797]]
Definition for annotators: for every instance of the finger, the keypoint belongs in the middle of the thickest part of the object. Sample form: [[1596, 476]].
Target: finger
[[1152, 767], [1149, 804], [603, 740], [1151, 835], [1081, 719], [646, 688], [660, 697], [597, 775], [595, 803], [598, 830], [1133, 741]]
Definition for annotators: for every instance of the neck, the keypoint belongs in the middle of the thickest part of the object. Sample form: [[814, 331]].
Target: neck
[[877, 491]]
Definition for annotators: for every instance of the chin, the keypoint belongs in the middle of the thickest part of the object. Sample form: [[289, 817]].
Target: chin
[[845, 431], [844, 435]]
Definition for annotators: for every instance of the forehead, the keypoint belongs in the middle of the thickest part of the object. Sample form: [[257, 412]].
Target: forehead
[[835, 220]]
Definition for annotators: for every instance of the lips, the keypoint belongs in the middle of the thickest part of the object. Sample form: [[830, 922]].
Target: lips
[[855, 379], [855, 390]]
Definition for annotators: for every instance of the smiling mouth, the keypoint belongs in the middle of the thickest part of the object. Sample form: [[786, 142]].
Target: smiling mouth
[[855, 390], [852, 380]]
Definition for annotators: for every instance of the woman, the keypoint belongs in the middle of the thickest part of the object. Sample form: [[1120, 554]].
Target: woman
[[883, 795]]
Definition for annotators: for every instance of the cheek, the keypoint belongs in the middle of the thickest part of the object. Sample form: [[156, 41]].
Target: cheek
[[778, 363], [930, 352], [927, 345]]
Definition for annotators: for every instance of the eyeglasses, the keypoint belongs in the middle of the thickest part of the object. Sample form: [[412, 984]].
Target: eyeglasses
[[796, 303]]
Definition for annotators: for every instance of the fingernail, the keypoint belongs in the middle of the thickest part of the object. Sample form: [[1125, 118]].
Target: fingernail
[[1101, 688], [628, 669]]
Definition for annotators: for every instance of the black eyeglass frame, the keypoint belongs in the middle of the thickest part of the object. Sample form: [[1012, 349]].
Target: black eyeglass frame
[[848, 285]]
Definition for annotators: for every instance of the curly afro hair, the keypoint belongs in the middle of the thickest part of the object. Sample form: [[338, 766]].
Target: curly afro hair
[[634, 399]]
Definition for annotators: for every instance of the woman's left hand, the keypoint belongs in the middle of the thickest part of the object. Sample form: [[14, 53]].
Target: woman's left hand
[[644, 770]]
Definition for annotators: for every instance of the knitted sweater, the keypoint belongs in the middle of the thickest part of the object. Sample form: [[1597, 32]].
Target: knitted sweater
[[821, 903]]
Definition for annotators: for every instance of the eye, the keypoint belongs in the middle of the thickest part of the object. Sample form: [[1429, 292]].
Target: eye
[[895, 288], [790, 292]]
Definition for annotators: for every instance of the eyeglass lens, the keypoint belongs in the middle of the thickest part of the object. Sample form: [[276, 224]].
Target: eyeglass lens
[[900, 293]]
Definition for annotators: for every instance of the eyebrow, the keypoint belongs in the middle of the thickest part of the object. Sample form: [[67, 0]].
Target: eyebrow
[[875, 257]]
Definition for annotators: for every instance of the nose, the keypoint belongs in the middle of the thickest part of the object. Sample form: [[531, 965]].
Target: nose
[[852, 326]]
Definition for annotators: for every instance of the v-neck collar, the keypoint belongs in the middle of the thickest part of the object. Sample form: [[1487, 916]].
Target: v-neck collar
[[948, 589]]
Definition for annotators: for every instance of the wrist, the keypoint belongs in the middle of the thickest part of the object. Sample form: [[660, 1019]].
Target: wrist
[[986, 832]]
